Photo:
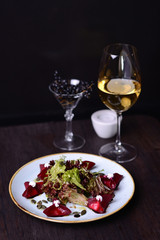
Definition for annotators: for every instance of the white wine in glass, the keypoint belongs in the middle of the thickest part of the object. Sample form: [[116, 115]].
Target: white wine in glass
[[119, 86]]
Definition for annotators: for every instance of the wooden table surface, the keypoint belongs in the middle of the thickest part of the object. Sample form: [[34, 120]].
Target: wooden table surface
[[139, 219]]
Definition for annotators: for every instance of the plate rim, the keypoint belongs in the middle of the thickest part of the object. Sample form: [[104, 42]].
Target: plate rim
[[64, 221]]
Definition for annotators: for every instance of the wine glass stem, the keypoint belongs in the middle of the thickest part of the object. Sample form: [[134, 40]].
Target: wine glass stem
[[118, 144], [69, 116]]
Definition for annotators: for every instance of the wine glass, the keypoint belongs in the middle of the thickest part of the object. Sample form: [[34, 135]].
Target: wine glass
[[119, 86], [69, 92]]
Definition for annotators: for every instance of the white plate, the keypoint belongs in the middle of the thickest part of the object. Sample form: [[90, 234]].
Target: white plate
[[29, 172]]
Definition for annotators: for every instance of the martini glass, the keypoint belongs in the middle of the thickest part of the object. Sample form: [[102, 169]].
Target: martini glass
[[69, 92], [119, 86]]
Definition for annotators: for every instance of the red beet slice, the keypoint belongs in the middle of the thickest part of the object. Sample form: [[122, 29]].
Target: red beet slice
[[112, 183], [100, 206], [95, 205], [32, 191], [87, 164], [39, 187], [54, 211], [106, 200], [42, 166], [26, 184], [43, 174], [109, 182], [117, 178]]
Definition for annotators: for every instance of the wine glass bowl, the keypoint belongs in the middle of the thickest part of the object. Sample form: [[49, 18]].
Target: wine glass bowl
[[68, 93], [119, 86]]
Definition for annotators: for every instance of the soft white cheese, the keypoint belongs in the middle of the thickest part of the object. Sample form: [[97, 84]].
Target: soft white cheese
[[56, 203], [110, 175], [99, 198], [46, 165], [32, 183]]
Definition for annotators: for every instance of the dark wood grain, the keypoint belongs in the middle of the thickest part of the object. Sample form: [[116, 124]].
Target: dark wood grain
[[138, 220]]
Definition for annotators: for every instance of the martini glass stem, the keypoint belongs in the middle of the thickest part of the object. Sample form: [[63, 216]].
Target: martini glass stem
[[69, 134], [118, 144]]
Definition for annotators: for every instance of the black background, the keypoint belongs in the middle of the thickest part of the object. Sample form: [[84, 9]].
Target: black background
[[40, 36]]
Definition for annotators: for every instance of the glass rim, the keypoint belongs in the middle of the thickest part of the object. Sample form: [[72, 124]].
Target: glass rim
[[120, 44], [66, 94]]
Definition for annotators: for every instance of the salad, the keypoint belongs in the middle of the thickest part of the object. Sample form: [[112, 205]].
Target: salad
[[72, 181]]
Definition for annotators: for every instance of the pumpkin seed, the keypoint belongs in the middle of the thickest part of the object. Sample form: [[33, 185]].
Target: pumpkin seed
[[43, 207], [38, 179], [33, 201], [49, 199], [83, 212], [39, 206], [45, 201], [39, 203], [77, 215]]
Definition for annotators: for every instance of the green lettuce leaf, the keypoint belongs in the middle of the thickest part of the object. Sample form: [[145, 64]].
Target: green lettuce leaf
[[58, 168], [72, 176]]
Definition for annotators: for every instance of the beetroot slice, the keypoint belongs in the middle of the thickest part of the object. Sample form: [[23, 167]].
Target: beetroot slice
[[107, 198], [87, 164], [26, 184], [117, 178], [32, 191], [39, 187], [112, 183], [54, 211], [100, 206], [109, 182], [95, 205], [43, 174], [42, 166]]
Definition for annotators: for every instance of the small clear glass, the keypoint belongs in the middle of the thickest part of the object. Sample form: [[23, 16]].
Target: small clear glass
[[69, 92]]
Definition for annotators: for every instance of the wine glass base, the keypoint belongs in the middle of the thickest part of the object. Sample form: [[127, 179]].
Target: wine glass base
[[128, 153], [76, 143]]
